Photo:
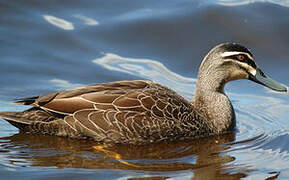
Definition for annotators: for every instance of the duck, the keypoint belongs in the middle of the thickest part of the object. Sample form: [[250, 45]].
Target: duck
[[141, 111]]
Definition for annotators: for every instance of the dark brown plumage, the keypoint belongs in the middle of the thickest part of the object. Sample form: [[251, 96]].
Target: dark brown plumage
[[142, 112], [134, 112]]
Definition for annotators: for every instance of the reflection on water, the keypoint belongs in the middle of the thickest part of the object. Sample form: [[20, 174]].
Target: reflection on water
[[193, 157], [61, 23], [144, 68], [64, 84], [67, 25], [244, 2], [147, 69], [87, 20]]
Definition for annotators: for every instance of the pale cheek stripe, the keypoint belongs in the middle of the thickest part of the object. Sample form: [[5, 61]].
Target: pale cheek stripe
[[249, 68], [226, 54], [253, 72]]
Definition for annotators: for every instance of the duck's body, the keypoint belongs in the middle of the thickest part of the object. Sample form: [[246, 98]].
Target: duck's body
[[140, 112], [134, 112]]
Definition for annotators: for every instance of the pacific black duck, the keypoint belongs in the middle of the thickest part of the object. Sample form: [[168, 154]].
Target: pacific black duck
[[142, 112]]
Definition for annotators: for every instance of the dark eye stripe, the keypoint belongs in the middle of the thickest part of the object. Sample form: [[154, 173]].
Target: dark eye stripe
[[247, 60], [251, 63]]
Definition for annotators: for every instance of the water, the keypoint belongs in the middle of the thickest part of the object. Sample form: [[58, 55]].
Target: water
[[52, 45]]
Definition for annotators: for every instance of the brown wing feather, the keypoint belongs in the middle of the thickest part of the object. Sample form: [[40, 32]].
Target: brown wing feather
[[70, 101], [133, 115], [124, 111]]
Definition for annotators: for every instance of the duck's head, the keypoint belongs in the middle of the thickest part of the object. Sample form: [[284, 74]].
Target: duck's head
[[231, 61]]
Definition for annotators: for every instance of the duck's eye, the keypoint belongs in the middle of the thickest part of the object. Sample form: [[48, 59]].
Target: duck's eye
[[241, 57]]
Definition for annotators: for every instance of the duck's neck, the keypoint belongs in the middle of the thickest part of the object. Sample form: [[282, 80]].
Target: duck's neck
[[211, 102]]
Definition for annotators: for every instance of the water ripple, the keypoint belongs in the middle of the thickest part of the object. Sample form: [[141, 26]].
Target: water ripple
[[58, 22], [86, 20], [147, 69], [245, 2]]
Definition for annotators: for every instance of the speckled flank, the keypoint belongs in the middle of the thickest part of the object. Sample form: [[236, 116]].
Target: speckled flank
[[134, 112]]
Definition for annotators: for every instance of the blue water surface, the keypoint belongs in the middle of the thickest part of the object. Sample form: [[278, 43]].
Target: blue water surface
[[54, 45]]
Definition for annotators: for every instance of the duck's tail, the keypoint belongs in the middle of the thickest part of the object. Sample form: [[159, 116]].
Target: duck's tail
[[16, 119]]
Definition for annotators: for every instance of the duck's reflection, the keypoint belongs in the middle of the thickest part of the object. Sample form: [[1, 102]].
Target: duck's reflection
[[202, 157]]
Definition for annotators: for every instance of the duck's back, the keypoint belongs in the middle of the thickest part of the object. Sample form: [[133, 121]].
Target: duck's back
[[134, 112]]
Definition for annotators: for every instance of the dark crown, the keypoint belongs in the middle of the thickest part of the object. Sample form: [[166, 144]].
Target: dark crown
[[234, 47]]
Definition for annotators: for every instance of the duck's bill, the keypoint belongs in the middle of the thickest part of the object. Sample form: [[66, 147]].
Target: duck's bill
[[261, 78]]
